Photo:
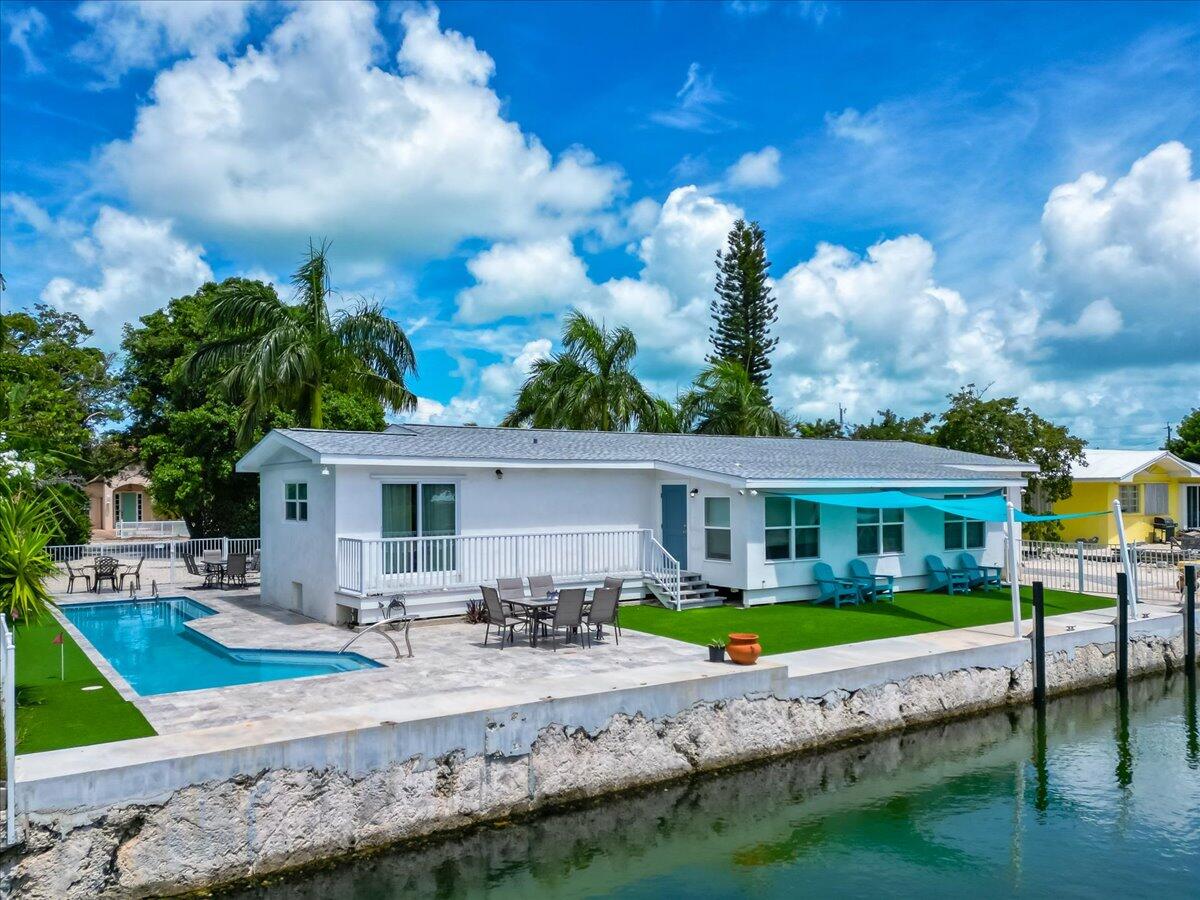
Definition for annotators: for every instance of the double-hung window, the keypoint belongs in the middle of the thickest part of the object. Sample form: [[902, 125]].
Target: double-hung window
[[880, 531], [295, 501], [1130, 498], [793, 529], [718, 538], [962, 533]]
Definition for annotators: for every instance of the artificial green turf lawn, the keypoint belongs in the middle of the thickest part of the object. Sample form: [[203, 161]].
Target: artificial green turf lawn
[[53, 713], [784, 627]]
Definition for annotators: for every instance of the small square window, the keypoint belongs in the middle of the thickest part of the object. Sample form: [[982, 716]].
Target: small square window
[[295, 501], [1130, 498]]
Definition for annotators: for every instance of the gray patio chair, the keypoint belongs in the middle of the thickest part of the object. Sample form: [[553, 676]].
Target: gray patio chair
[[603, 611], [540, 585], [568, 614], [617, 584], [235, 570], [510, 589], [72, 575], [105, 570], [497, 617], [133, 573]]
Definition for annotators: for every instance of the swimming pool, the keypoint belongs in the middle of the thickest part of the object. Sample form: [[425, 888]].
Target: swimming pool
[[147, 642]]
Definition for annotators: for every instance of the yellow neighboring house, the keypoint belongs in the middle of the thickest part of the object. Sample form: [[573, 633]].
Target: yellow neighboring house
[[1148, 483]]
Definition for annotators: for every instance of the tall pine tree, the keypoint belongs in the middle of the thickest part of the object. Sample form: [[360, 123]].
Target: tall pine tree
[[744, 310]]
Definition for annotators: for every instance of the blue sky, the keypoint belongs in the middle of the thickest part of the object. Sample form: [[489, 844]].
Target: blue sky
[[1003, 194]]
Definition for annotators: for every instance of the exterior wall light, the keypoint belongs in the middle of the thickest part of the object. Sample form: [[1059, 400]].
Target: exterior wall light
[[693, 492], [499, 474], [324, 470]]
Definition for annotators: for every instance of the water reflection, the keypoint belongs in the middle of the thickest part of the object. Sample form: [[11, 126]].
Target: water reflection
[[959, 808]]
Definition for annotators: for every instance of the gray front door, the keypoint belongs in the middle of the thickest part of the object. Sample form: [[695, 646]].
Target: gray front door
[[674, 521]]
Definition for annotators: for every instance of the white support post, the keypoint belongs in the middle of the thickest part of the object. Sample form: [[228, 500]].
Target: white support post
[[1014, 571], [1079, 554], [1126, 563], [224, 549], [171, 567]]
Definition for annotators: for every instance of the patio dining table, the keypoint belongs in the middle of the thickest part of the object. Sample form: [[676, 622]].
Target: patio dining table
[[534, 605]]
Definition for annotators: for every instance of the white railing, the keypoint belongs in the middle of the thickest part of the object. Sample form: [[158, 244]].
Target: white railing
[[1092, 568], [663, 568], [161, 560], [8, 713], [369, 566], [165, 528]]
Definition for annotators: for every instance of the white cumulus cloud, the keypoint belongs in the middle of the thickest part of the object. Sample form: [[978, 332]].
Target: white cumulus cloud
[[139, 265], [755, 170], [523, 280], [309, 135], [140, 34]]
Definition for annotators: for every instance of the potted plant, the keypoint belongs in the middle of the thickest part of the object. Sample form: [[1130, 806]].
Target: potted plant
[[744, 648], [716, 650]]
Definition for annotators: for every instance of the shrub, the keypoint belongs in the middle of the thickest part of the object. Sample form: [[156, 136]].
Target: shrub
[[26, 526]]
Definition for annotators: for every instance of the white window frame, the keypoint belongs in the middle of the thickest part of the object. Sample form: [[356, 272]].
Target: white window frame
[[726, 528], [963, 522], [1156, 489], [1134, 508], [301, 511], [791, 528], [878, 526]]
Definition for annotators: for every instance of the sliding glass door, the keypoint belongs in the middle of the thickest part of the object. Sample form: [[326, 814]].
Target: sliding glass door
[[419, 510], [1191, 518]]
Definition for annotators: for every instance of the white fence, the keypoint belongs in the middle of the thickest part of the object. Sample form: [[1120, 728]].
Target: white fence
[[165, 528], [1092, 568], [8, 714], [379, 565], [161, 561]]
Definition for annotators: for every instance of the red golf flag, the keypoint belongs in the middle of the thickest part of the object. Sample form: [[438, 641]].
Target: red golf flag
[[58, 639]]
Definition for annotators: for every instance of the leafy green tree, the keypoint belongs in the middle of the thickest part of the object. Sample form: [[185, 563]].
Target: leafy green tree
[[54, 391], [1001, 427], [589, 386], [668, 418], [187, 431], [269, 354], [744, 311], [894, 427], [1186, 442], [725, 400], [820, 428]]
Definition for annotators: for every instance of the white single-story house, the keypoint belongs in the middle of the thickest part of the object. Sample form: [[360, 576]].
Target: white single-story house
[[435, 511]]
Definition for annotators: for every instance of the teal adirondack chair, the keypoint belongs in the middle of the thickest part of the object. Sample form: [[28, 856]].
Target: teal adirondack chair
[[952, 581], [870, 586], [839, 590], [987, 576]]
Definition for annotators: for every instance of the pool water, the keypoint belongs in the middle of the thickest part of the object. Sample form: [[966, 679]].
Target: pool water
[[147, 642], [1096, 797]]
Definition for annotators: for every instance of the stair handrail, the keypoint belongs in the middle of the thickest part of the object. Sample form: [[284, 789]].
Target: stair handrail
[[665, 569]]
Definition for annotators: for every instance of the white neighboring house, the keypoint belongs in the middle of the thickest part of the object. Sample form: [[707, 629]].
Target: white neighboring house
[[434, 511]]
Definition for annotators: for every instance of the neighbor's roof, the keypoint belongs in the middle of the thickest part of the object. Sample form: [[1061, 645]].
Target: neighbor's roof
[[753, 459], [1121, 465]]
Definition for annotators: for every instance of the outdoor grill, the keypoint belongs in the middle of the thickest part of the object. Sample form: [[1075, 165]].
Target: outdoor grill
[[1167, 526]]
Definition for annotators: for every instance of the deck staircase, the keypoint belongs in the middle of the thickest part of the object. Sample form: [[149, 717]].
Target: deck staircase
[[694, 592]]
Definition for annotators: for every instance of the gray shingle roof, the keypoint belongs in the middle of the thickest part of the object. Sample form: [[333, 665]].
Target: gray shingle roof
[[750, 458]]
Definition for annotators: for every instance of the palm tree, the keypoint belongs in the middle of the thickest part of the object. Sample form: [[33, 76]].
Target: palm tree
[[270, 353], [589, 386], [724, 400]]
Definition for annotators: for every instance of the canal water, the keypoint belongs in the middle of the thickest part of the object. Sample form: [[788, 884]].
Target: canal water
[[1098, 796]]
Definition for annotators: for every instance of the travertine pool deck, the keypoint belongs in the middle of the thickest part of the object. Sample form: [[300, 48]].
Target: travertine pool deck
[[448, 656]]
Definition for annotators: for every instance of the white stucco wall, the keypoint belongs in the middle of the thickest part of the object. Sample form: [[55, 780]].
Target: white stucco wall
[[299, 553]]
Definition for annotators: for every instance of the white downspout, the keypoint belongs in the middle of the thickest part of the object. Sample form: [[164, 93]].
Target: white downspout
[[1130, 580], [1014, 578]]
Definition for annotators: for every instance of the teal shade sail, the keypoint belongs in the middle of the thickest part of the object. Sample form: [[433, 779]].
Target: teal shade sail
[[988, 508]]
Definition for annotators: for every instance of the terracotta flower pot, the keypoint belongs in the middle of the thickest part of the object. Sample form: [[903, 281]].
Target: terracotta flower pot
[[743, 649]]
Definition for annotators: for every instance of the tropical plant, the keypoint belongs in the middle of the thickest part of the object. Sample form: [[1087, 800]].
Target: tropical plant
[[269, 353], [589, 386], [1186, 442], [667, 418], [26, 526], [724, 400], [894, 427], [744, 311]]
